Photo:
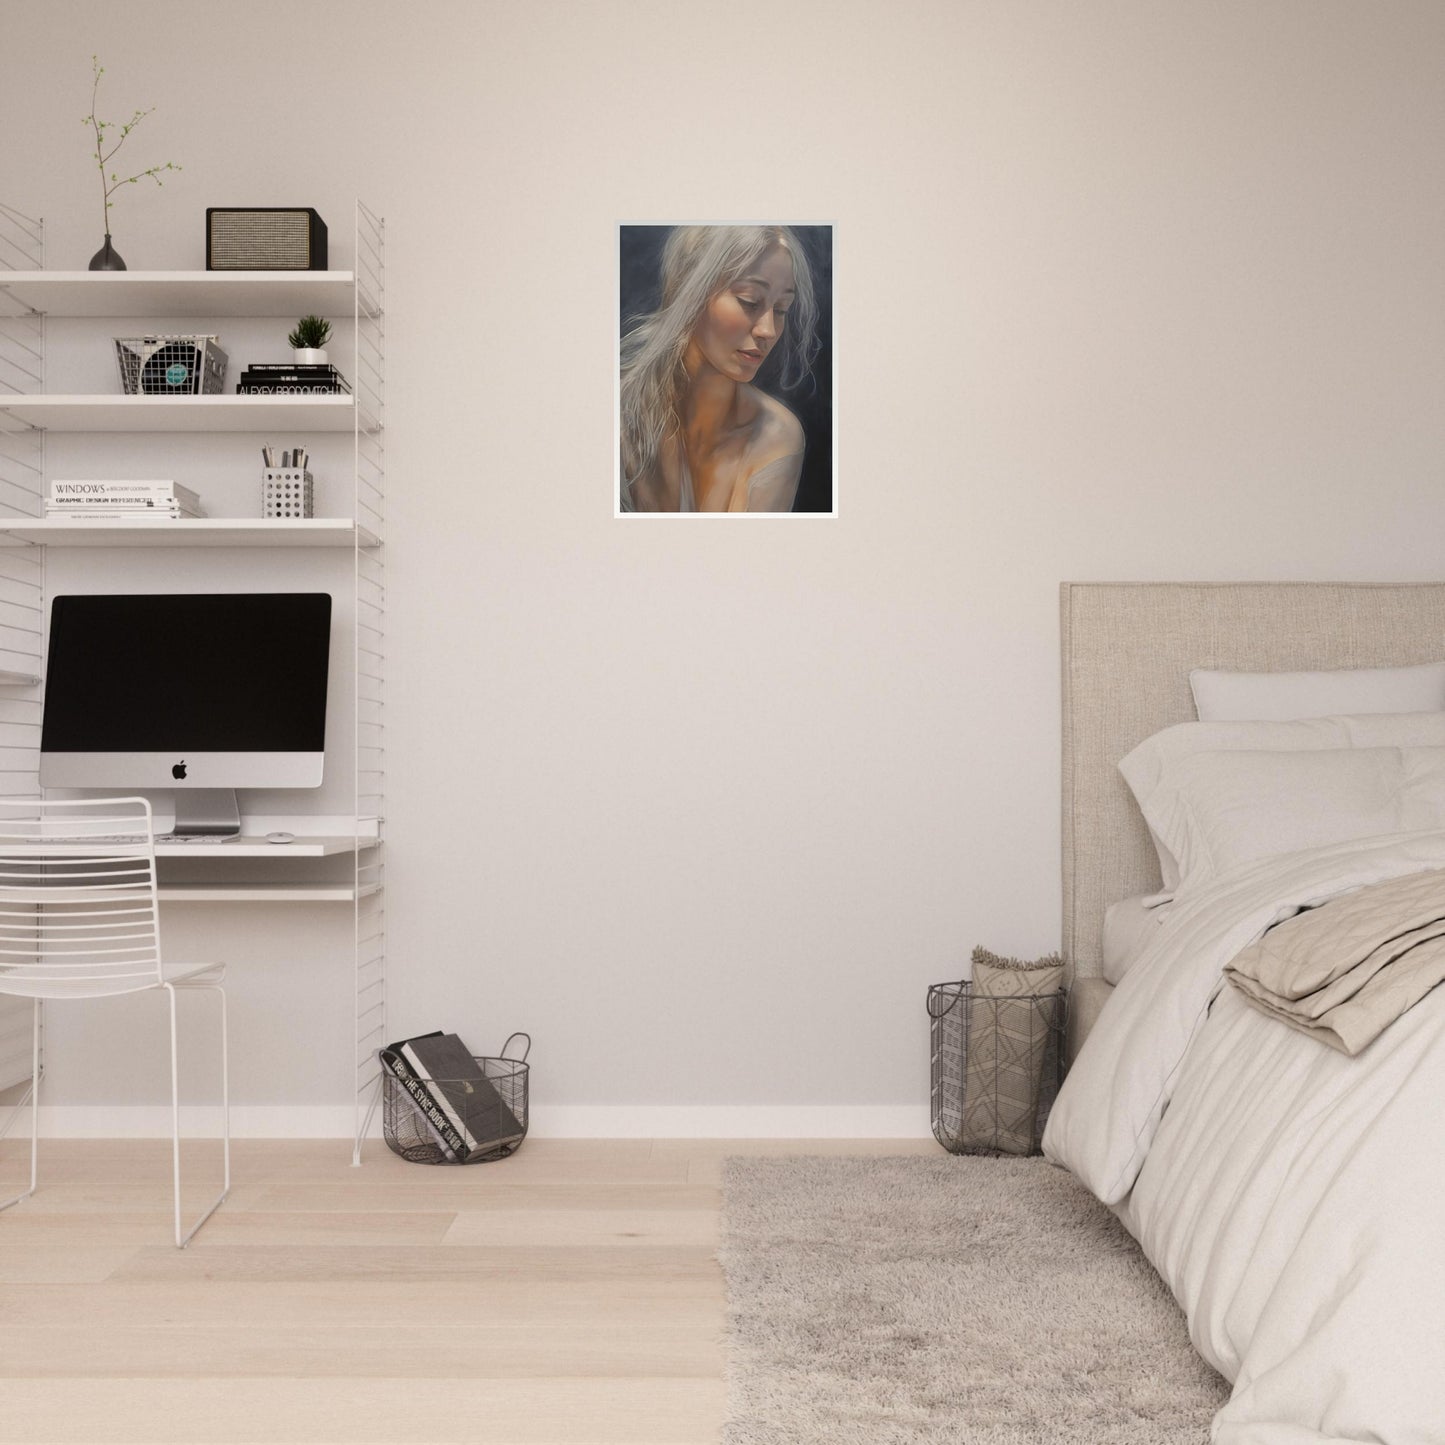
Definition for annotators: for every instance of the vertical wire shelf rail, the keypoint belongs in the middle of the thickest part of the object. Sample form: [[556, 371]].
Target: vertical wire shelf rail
[[22, 580], [367, 663]]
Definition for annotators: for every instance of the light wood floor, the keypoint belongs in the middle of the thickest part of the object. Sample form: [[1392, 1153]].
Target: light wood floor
[[569, 1295]]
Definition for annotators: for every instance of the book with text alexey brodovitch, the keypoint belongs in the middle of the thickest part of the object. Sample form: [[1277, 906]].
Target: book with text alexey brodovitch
[[460, 1105]]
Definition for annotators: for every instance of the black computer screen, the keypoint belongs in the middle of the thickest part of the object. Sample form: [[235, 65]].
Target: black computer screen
[[187, 672]]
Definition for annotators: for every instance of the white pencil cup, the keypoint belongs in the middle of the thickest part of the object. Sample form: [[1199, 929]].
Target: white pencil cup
[[286, 492]]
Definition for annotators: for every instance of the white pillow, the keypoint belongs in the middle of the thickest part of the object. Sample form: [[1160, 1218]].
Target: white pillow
[[1130, 926], [1144, 768], [1215, 811], [1277, 696]]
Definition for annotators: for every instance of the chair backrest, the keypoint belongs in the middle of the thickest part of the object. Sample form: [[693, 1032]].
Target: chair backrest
[[78, 915]]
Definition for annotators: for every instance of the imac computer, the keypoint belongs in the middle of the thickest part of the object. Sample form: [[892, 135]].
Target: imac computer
[[200, 693]]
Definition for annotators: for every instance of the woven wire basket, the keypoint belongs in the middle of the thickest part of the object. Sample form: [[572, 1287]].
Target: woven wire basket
[[170, 365], [997, 1064], [407, 1132]]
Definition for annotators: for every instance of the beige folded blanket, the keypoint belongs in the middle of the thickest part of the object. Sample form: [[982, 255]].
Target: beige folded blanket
[[1008, 1039], [1346, 970]]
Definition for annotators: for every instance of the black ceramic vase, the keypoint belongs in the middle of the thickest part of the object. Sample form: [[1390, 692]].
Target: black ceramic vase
[[107, 258]]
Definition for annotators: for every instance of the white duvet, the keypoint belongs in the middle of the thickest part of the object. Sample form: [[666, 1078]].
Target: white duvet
[[1293, 1198]]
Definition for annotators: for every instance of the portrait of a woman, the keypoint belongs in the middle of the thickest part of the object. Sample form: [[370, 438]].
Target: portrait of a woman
[[720, 407]]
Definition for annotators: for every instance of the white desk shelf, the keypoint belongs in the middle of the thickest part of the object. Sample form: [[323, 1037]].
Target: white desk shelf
[[263, 892], [113, 413], [230, 849], [320, 847], [184, 293], [187, 532]]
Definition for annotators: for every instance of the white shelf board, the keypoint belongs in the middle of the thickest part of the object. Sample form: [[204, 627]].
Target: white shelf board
[[314, 846], [221, 413], [187, 532], [260, 892], [182, 293], [251, 847], [18, 679]]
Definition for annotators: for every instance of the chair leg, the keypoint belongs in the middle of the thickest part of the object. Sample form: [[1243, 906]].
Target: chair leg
[[182, 1240], [33, 1095], [365, 1128]]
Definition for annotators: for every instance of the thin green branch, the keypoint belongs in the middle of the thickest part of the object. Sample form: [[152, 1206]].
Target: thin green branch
[[112, 183]]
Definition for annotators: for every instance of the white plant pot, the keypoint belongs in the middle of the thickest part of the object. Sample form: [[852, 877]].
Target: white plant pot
[[309, 356]]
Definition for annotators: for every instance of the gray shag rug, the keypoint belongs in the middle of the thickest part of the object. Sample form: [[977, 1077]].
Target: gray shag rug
[[972, 1301]]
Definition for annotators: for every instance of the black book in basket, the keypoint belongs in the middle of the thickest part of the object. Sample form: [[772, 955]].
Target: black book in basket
[[427, 1109], [477, 1113]]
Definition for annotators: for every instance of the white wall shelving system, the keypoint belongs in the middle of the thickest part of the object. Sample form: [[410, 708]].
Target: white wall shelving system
[[29, 296]]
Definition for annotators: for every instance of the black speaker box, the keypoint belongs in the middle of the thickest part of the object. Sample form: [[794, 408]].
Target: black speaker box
[[264, 238]]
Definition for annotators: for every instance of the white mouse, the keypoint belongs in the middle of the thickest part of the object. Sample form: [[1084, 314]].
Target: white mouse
[[280, 837]]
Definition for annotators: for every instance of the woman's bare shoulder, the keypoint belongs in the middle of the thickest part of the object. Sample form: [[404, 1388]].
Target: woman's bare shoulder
[[776, 431]]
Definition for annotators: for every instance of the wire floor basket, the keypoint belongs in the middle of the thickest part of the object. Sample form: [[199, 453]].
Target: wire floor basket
[[408, 1132], [997, 1064]]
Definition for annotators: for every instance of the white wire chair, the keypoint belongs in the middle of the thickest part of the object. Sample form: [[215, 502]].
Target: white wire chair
[[79, 919]]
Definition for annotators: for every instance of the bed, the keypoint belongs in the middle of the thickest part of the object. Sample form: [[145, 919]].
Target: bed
[[1290, 1195]]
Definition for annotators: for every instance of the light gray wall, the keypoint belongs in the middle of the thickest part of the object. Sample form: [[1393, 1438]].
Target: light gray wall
[[1123, 290]]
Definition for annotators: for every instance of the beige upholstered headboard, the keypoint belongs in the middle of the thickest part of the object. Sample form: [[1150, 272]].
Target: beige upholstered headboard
[[1127, 651]]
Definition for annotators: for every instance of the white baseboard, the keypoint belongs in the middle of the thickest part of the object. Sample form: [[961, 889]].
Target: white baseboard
[[248, 1121], [554, 1121], [724, 1121]]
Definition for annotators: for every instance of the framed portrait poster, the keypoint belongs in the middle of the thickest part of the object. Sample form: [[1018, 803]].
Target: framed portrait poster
[[724, 392]]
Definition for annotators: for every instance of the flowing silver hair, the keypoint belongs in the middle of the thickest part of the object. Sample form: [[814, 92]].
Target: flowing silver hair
[[699, 263]]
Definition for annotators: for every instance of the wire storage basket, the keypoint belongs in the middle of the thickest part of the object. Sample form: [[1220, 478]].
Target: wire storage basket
[[490, 1110], [170, 365], [997, 1064]]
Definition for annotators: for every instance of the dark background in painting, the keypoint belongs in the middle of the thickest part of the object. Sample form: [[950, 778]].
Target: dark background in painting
[[640, 280]]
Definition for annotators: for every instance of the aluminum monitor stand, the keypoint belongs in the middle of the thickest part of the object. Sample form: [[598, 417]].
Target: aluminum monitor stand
[[207, 813]]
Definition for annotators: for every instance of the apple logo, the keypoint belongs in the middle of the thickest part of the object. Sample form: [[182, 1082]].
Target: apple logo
[[179, 771]]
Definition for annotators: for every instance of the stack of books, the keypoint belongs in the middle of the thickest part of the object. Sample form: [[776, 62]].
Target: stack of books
[[83, 500], [460, 1106], [289, 379]]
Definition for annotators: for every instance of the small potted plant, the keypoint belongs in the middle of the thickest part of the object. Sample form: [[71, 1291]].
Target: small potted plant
[[309, 339]]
